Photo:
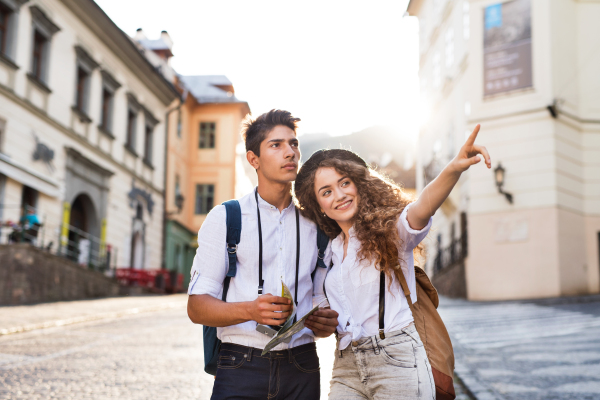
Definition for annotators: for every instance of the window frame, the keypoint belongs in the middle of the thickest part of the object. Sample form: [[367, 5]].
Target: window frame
[[202, 195], [207, 140], [85, 66], [110, 86], [150, 123], [4, 27], [133, 110], [43, 29]]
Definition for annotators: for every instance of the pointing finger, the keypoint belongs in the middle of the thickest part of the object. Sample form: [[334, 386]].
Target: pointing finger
[[473, 135]]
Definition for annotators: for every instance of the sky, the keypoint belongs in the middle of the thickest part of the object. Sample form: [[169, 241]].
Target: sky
[[341, 66]]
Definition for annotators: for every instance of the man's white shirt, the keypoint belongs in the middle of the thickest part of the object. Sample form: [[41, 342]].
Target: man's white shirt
[[279, 263]]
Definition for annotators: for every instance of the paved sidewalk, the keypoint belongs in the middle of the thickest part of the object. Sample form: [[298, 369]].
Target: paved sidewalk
[[15, 319], [538, 350]]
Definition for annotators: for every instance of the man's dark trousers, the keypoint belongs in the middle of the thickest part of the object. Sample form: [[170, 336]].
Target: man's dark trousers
[[242, 373]]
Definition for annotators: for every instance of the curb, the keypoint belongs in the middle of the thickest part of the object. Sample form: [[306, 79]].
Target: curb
[[472, 385], [87, 318]]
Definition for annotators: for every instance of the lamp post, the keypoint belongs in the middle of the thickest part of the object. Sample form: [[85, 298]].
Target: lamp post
[[499, 176], [178, 203]]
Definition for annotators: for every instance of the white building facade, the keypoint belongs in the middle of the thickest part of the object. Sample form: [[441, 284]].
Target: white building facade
[[82, 133], [527, 71]]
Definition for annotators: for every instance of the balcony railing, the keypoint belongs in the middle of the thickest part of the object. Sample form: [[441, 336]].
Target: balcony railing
[[454, 253]]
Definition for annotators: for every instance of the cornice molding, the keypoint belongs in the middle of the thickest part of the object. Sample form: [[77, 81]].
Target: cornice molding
[[45, 23], [123, 47]]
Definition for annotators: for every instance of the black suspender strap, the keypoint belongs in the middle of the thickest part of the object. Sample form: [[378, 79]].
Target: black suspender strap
[[260, 279], [381, 304], [297, 259]]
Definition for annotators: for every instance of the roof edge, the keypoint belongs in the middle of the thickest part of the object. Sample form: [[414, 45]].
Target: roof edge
[[89, 12]]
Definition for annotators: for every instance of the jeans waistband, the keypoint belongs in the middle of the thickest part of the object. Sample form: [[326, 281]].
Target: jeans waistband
[[254, 352], [367, 341]]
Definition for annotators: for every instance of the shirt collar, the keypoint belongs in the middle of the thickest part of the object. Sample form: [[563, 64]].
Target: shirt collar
[[266, 206]]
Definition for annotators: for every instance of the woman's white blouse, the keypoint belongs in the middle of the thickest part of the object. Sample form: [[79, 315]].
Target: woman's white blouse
[[353, 287]]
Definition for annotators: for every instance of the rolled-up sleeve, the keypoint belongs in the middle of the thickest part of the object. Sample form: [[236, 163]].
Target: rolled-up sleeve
[[210, 262], [411, 237]]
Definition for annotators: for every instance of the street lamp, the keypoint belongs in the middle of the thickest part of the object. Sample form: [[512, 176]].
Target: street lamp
[[499, 175], [178, 203]]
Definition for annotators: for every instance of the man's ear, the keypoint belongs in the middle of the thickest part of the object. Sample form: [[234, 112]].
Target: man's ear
[[252, 159]]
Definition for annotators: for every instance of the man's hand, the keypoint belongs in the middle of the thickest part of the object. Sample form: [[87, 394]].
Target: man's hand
[[269, 310], [323, 322]]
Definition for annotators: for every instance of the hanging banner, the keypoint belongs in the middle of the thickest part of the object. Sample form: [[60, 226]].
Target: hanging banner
[[103, 239], [507, 47], [64, 235]]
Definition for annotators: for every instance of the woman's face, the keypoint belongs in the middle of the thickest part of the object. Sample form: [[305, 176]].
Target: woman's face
[[336, 194]]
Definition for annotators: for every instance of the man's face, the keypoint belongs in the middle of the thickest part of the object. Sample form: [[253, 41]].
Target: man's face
[[279, 155]]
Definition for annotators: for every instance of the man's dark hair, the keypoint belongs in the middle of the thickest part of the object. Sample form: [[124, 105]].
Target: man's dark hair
[[254, 131]]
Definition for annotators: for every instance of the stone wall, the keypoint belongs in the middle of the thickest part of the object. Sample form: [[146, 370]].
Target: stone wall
[[30, 275]]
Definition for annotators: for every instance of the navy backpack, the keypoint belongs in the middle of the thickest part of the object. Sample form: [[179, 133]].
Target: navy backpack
[[212, 344]]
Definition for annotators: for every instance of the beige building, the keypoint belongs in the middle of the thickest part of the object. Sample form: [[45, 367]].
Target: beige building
[[526, 71], [82, 133], [202, 165]]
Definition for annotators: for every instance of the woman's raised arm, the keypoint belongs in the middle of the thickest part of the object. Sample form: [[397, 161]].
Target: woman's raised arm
[[438, 190]]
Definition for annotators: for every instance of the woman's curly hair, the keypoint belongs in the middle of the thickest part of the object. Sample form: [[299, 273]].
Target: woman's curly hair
[[380, 203]]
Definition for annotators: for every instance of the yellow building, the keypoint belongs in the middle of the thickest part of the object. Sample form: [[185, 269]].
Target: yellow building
[[201, 161]]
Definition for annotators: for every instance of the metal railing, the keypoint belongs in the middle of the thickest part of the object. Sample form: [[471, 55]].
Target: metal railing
[[450, 255], [76, 245]]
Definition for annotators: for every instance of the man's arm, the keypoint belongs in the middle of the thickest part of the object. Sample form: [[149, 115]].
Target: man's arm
[[438, 190], [266, 309]]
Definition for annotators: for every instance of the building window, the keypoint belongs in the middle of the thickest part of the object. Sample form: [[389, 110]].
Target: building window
[[133, 108], [466, 20], [85, 66], [131, 126], [5, 14], [204, 198], [109, 87], [207, 135], [449, 48], [107, 100], [83, 79], [179, 124], [43, 29], [150, 123], [39, 48], [148, 144]]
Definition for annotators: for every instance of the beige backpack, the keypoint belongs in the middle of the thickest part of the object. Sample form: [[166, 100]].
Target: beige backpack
[[433, 333]]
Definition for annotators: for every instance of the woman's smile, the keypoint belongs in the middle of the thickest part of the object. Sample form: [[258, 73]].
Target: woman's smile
[[345, 205]]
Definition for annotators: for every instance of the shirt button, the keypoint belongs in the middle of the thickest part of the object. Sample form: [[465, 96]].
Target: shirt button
[[280, 222], [354, 344], [281, 248]]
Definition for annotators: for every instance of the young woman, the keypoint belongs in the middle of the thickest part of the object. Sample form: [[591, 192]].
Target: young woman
[[374, 228]]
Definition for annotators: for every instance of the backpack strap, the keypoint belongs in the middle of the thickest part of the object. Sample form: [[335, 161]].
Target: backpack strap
[[322, 242], [234, 230]]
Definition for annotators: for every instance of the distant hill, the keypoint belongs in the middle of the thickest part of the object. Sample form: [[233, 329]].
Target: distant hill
[[379, 145]]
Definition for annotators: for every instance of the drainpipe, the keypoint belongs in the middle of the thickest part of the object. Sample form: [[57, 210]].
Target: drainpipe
[[164, 210]]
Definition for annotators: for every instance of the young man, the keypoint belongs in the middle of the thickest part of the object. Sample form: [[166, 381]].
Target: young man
[[269, 216]]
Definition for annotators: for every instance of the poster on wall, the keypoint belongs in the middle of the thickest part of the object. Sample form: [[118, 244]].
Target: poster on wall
[[507, 47]]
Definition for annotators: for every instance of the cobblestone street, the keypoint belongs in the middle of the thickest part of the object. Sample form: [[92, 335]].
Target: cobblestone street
[[156, 354], [148, 356], [543, 350]]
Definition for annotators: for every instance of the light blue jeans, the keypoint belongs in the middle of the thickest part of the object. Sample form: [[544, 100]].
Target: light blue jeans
[[379, 369]]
